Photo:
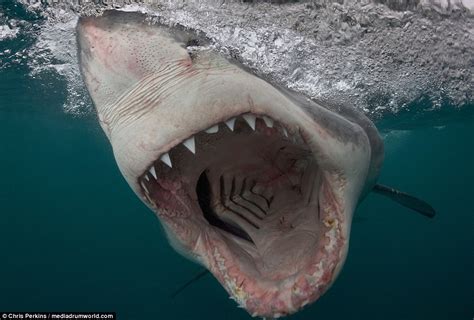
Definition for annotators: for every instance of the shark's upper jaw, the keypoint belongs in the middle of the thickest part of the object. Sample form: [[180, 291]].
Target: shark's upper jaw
[[248, 200]]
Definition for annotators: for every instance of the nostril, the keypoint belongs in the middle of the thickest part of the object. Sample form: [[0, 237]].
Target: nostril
[[192, 43], [191, 47]]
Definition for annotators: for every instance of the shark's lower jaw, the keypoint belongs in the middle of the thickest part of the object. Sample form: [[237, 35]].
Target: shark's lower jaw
[[248, 200]]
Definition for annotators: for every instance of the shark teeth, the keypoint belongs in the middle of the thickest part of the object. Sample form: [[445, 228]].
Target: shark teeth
[[268, 121], [166, 159], [153, 172], [251, 119], [190, 144], [213, 129], [230, 123], [145, 188]]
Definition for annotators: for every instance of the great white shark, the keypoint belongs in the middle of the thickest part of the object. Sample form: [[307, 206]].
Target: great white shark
[[256, 183]]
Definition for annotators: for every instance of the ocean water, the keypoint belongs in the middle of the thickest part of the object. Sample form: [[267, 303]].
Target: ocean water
[[74, 237]]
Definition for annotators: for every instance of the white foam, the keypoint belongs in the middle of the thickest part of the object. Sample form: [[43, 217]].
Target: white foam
[[55, 51], [362, 53], [8, 33]]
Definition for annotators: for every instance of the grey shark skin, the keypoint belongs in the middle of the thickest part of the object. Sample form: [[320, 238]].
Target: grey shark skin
[[252, 181]]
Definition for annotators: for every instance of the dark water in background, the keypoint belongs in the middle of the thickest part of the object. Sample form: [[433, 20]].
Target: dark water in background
[[74, 237]]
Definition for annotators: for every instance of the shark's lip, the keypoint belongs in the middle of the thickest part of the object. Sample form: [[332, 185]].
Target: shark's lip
[[261, 296]]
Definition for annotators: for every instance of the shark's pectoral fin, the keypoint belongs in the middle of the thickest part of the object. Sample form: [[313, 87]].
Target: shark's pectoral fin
[[406, 200], [198, 276]]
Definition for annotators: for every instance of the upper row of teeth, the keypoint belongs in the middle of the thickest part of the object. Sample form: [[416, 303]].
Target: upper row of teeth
[[190, 143]]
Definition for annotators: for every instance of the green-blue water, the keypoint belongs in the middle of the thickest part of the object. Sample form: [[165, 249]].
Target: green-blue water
[[74, 237]]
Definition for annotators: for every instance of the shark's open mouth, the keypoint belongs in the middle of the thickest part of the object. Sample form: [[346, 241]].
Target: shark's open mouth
[[248, 200]]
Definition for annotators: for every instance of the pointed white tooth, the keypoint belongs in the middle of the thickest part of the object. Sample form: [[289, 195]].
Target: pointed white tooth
[[213, 129], [230, 123], [147, 178], [250, 118], [153, 172], [285, 132], [166, 159], [145, 188], [268, 121], [190, 144]]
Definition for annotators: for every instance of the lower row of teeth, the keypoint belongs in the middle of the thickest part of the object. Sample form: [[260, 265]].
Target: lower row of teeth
[[190, 143]]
